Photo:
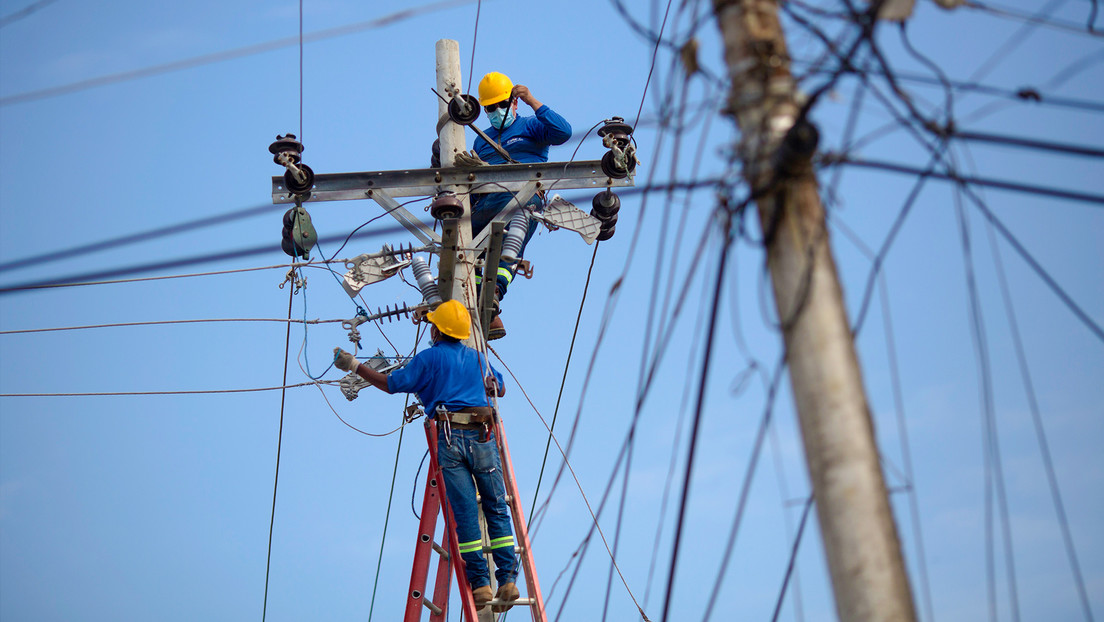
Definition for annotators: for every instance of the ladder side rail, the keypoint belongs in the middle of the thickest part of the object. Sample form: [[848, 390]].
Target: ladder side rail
[[467, 602], [521, 532], [427, 526]]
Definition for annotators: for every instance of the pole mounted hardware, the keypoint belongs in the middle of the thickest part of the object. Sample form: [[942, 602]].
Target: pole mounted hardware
[[464, 109], [604, 207], [352, 383], [620, 161], [446, 205], [367, 269], [287, 151], [298, 236]]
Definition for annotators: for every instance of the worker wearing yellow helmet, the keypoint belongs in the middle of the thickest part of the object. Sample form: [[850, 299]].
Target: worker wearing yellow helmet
[[526, 139], [454, 382]]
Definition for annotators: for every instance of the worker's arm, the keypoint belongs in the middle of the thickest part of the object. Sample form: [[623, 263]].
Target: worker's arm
[[347, 362]]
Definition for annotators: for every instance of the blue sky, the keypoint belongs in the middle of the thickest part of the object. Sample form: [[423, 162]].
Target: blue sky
[[158, 507]]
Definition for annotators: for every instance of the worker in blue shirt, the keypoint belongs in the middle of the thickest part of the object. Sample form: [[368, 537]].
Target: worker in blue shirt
[[453, 382], [526, 139]]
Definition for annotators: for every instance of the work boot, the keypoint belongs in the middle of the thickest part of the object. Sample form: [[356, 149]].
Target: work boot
[[508, 593], [482, 595], [496, 330]]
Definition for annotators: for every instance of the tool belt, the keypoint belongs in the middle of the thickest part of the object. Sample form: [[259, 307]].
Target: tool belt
[[470, 418]]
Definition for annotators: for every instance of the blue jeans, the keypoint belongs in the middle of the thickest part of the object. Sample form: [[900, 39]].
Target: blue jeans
[[482, 214], [461, 460]]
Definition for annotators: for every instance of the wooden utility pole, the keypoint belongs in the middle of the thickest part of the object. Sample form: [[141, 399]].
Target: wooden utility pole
[[453, 141], [860, 539]]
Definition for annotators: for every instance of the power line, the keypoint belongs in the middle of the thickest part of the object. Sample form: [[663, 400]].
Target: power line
[[83, 279], [134, 393], [1029, 143], [133, 238], [830, 159], [79, 279], [161, 322], [24, 12], [226, 55]]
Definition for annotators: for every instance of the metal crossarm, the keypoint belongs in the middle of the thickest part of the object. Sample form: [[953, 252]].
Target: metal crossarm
[[481, 179]]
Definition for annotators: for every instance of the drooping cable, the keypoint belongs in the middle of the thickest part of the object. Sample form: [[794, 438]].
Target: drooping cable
[[279, 444], [217, 57], [563, 383], [1040, 433], [726, 243]]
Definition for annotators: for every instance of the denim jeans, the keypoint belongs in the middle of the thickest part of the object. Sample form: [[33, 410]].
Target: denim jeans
[[462, 460], [481, 217]]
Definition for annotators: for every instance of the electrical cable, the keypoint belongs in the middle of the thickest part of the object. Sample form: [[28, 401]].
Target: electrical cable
[[161, 322], [1040, 434], [994, 471], [279, 444], [1009, 13], [226, 55], [793, 558], [131, 393], [134, 238], [834, 159], [24, 12], [563, 383], [726, 243], [1014, 40], [85, 278], [594, 518]]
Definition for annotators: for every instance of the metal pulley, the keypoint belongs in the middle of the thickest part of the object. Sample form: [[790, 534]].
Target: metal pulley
[[463, 109], [620, 161], [446, 205], [287, 151], [298, 236]]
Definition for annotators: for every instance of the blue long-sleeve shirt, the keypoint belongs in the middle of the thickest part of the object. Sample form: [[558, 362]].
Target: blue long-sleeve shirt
[[527, 139]]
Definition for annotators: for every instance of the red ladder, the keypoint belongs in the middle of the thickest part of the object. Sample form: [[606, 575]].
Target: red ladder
[[449, 554]]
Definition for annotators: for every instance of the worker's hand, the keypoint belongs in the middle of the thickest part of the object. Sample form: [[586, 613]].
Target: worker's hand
[[469, 158], [490, 385], [522, 92], [344, 361]]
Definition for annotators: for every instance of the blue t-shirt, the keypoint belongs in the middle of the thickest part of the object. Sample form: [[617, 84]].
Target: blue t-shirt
[[448, 373]]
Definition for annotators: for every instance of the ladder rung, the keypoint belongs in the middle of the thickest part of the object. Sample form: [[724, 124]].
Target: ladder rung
[[441, 551], [432, 607], [524, 602]]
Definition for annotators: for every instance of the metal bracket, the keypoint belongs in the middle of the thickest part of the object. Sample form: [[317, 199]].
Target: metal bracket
[[560, 213], [450, 235], [415, 226], [490, 269]]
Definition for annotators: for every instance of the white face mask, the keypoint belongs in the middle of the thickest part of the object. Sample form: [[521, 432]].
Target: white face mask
[[501, 119]]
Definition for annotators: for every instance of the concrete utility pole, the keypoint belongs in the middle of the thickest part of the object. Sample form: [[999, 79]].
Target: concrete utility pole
[[860, 538]]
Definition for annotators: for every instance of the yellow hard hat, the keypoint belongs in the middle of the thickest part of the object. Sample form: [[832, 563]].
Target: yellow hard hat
[[493, 88], [452, 319]]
